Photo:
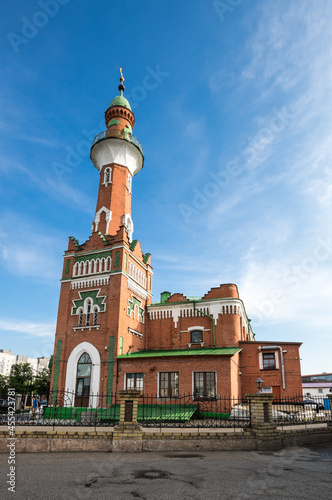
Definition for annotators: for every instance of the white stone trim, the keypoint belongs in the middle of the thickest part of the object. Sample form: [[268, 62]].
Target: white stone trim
[[137, 289], [89, 282], [108, 170], [108, 218], [127, 221], [77, 283], [116, 151], [135, 332], [82, 328], [71, 373], [186, 310], [136, 274]]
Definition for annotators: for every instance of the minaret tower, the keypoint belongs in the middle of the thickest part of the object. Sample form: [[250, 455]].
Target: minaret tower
[[118, 156], [107, 281]]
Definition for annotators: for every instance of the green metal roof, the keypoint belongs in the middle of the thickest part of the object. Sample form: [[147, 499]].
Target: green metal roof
[[119, 100], [218, 351]]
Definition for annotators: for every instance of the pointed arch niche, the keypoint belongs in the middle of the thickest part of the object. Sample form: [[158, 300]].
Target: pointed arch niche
[[71, 373]]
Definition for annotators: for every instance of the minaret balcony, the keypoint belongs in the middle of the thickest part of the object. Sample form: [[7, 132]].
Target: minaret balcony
[[125, 135]]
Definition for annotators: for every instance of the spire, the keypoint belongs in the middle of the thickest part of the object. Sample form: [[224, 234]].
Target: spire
[[120, 100], [121, 87]]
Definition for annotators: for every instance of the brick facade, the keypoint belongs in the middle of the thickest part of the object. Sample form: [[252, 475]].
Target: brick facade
[[106, 310]]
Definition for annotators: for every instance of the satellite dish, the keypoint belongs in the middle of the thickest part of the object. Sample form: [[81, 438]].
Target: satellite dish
[[331, 389]]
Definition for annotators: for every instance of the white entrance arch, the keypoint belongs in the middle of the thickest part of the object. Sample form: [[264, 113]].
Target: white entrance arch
[[72, 371]]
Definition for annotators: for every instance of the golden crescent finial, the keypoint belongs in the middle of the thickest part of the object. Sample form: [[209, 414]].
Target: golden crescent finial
[[121, 79]]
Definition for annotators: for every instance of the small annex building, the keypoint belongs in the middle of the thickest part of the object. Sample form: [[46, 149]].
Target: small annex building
[[110, 336]]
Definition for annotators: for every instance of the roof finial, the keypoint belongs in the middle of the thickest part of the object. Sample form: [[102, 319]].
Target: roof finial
[[121, 87]]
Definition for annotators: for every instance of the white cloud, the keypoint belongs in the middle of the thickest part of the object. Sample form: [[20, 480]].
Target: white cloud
[[28, 328], [26, 251], [285, 291], [287, 43]]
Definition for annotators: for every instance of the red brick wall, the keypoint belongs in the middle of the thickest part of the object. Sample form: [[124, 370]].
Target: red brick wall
[[250, 369], [162, 333], [114, 197], [151, 367], [114, 321], [223, 291]]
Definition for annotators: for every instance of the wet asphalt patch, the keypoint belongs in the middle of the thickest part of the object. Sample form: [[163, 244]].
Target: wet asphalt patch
[[151, 474]]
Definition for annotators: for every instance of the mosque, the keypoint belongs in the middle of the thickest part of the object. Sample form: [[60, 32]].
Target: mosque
[[110, 336]]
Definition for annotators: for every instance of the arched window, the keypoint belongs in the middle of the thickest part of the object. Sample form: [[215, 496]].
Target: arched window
[[80, 317], [75, 270], [129, 183], [88, 313], [95, 316], [83, 379], [107, 176]]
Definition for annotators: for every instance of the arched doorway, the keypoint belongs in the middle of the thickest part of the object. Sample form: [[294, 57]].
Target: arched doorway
[[83, 380], [71, 373]]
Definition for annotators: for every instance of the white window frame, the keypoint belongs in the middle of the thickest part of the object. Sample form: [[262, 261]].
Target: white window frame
[[107, 173], [193, 328], [276, 359]]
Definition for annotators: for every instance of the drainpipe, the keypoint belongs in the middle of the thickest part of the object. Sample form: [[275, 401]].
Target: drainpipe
[[270, 347], [211, 317]]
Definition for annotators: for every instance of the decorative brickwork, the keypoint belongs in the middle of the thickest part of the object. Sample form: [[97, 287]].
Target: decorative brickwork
[[105, 304], [95, 298]]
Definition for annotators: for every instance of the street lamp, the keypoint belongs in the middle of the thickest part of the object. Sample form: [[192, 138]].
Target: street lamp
[[259, 383]]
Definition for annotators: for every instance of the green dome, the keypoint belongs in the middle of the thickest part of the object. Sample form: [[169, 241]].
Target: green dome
[[119, 100]]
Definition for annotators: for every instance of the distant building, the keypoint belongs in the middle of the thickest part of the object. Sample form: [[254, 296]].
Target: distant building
[[8, 359], [317, 385]]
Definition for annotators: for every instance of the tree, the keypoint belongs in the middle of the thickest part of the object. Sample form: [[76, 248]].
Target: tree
[[20, 378], [42, 382], [3, 387]]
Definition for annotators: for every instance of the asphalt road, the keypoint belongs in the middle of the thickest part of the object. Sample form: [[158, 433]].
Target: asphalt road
[[294, 473]]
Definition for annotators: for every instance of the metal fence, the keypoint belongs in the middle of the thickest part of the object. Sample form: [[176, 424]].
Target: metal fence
[[65, 408], [185, 411], [118, 134], [301, 410]]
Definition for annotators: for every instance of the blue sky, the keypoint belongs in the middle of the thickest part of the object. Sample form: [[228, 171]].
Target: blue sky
[[233, 104]]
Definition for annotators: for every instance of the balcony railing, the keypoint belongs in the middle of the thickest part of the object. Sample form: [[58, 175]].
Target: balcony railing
[[118, 134]]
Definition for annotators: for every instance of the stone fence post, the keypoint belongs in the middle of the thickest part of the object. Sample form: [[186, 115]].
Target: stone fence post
[[127, 435], [261, 410], [330, 400], [261, 421]]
